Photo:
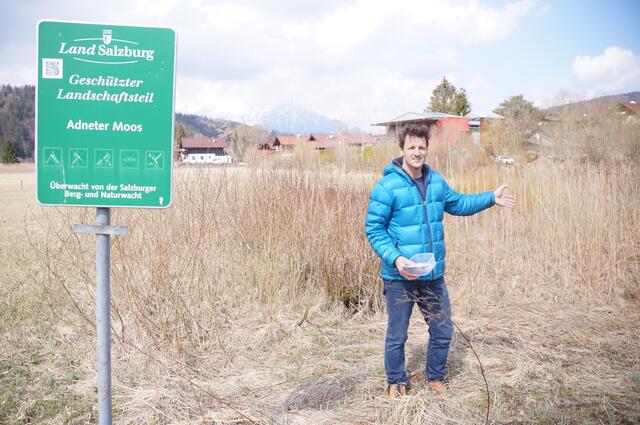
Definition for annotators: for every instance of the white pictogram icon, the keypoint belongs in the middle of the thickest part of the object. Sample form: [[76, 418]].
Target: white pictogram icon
[[52, 157], [154, 159], [78, 157], [129, 158], [104, 158]]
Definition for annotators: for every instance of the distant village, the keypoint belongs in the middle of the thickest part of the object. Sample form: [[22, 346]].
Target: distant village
[[447, 129]]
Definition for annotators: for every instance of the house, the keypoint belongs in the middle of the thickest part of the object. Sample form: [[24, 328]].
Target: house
[[286, 143], [322, 141], [477, 121], [206, 150], [319, 141], [446, 129], [331, 140], [630, 109], [486, 127]]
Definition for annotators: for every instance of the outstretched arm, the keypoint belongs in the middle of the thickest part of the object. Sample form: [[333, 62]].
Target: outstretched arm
[[466, 204], [503, 198], [459, 204]]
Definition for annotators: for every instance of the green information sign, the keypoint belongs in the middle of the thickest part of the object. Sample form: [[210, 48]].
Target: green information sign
[[104, 115]]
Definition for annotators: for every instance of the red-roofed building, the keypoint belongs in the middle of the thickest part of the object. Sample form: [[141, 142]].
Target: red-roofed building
[[205, 145], [446, 129], [322, 141], [283, 142], [205, 149], [630, 108], [357, 139], [319, 141]]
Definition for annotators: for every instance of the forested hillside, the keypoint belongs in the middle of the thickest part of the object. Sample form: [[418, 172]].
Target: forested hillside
[[17, 118], [197, 125]]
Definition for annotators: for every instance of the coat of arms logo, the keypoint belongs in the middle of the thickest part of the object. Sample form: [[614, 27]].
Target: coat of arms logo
[[106, 36]]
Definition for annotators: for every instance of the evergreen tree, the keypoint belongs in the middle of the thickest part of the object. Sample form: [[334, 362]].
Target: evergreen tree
[[448, 99], [8, 152], [235, 146], [461, 105], [180, 133], [520, 118]]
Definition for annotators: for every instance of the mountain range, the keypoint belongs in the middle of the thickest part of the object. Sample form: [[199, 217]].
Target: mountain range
[[587, 104], [289, 119], [284, 119]]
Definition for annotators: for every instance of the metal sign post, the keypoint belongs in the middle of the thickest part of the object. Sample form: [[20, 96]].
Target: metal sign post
[[104, 137], [103, 318], [103, 231]]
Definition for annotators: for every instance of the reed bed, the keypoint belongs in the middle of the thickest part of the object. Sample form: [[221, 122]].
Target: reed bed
[[260, 277]]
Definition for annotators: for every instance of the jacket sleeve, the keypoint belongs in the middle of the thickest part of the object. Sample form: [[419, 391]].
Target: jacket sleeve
[[459, 204], [377, 222]]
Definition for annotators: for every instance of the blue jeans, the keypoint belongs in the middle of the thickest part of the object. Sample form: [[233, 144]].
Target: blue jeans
[[433, 300]]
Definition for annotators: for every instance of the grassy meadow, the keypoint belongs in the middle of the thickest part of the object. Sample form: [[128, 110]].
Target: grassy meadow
[[259, 279]]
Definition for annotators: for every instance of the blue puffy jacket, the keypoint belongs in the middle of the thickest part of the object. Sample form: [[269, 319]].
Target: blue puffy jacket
[[397, 218]]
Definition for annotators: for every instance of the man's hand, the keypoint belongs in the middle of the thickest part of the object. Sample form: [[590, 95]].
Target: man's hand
[[503, 199], [401, 262]]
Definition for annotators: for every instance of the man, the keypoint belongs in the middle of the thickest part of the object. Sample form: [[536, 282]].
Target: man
[[404, 218]]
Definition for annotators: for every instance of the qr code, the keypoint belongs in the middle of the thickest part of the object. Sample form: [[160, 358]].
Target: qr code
[[51, 68]]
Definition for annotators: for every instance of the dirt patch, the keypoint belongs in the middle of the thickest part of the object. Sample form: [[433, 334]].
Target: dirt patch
[[324, 393]]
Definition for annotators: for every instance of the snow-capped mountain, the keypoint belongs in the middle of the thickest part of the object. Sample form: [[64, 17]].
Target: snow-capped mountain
[[296, 120]]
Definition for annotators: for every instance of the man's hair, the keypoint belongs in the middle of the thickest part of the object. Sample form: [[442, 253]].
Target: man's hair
[[415, 130]]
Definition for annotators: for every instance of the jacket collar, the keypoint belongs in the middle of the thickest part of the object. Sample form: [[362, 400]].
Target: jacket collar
[[396, 167]]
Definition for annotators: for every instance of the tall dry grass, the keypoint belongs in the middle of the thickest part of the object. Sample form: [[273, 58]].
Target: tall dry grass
[[233, 239], [600, 136], [281, 241]]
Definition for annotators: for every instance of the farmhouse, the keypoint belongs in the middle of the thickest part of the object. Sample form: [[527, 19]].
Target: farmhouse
[[204, 150], [446, 129]]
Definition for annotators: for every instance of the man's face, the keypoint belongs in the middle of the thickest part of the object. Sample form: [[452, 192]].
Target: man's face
[[414, 152]]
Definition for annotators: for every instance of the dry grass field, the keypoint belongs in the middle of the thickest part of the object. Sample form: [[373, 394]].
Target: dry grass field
[[259, 280]]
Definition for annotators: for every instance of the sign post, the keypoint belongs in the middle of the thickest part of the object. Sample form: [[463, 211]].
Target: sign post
[[103, 328], [104, 137]]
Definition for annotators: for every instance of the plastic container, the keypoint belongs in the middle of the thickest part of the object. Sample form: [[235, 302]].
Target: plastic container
[[423, 264]]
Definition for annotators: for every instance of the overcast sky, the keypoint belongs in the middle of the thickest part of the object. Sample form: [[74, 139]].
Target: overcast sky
[[362, 61]]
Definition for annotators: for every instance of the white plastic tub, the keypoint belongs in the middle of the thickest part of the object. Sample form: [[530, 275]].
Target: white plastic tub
[[422, 264]]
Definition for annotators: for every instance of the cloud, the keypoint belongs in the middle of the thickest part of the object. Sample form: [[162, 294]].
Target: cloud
[[616, 68], [357, 60]]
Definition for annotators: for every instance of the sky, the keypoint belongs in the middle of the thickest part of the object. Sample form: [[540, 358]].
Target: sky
[[360, 61]]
